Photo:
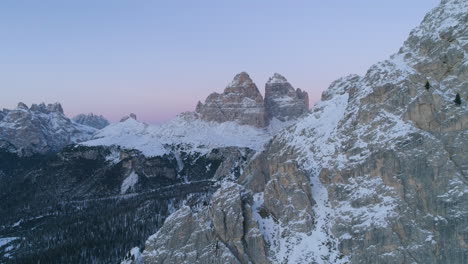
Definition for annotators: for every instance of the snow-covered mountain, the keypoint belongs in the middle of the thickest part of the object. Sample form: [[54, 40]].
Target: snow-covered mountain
[[40, 128], [187, 131], [128, 177], [375, 174]]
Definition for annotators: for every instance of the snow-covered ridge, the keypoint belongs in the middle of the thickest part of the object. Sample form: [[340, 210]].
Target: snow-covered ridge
[[40, 128], [186, 130]]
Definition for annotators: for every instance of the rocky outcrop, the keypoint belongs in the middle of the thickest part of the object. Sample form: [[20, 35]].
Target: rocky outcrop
[[91, 120], [131, 115], [282, 101], [219, 234], [241, 102], [40, 128]]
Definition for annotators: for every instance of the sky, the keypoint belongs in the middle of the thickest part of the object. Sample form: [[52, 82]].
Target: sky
[[159, 58]]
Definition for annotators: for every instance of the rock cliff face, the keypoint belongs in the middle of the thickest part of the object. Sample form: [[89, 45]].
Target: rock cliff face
[[40, 129], [241, 102], [92, 120], [282, 101], [377, 173]]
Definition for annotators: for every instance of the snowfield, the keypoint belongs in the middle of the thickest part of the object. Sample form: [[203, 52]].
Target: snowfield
[[186, 131]]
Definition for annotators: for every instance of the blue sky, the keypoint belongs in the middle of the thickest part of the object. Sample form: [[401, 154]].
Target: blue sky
[[158, 58]]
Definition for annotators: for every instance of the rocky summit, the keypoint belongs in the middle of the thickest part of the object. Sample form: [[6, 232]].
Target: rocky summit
[[242, 102], [282, 101], [91, 120]]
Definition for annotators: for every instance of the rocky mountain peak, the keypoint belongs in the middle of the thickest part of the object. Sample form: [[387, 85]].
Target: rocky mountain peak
[[49, 108], [22, 106], [92, 120], [56, 107], [240, 102], [282, 101], [242, 85], [277, 78], [130, 116]]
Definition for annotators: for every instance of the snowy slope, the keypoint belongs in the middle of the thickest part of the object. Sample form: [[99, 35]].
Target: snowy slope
[[187, 131]]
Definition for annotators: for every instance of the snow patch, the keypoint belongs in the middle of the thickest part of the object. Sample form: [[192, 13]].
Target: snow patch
[[129, 182]]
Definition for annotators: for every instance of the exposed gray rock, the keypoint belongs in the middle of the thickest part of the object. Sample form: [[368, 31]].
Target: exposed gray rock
[[282, 101], [40, 128], [240, 102], [22, 106], [91, 120], [131, 115], [219, 234]]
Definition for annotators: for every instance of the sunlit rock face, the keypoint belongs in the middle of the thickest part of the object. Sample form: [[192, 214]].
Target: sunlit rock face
[[241, 102]]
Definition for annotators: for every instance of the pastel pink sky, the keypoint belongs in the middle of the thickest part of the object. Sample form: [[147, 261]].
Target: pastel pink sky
[[157, 59]]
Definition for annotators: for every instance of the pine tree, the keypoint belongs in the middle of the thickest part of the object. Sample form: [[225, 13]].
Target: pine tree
[[457, 99], [428, 85]]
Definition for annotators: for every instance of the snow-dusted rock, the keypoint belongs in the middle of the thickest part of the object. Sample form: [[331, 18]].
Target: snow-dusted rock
[[40, 128], [187, 130], [91, 120], [282, 101], [225, 233], [240, 102]]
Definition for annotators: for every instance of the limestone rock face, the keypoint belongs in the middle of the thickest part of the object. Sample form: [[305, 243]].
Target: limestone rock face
[[40, 128], [282, 101], [92, 120], [219, 234], [240, 102]]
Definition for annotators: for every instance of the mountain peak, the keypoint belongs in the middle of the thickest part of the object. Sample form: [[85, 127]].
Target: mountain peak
[[55, 107], [241, 102], [43, 108], [277, 78], [22, 106], [91, 120], [130, 116], [241, 79], [282, 101]]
